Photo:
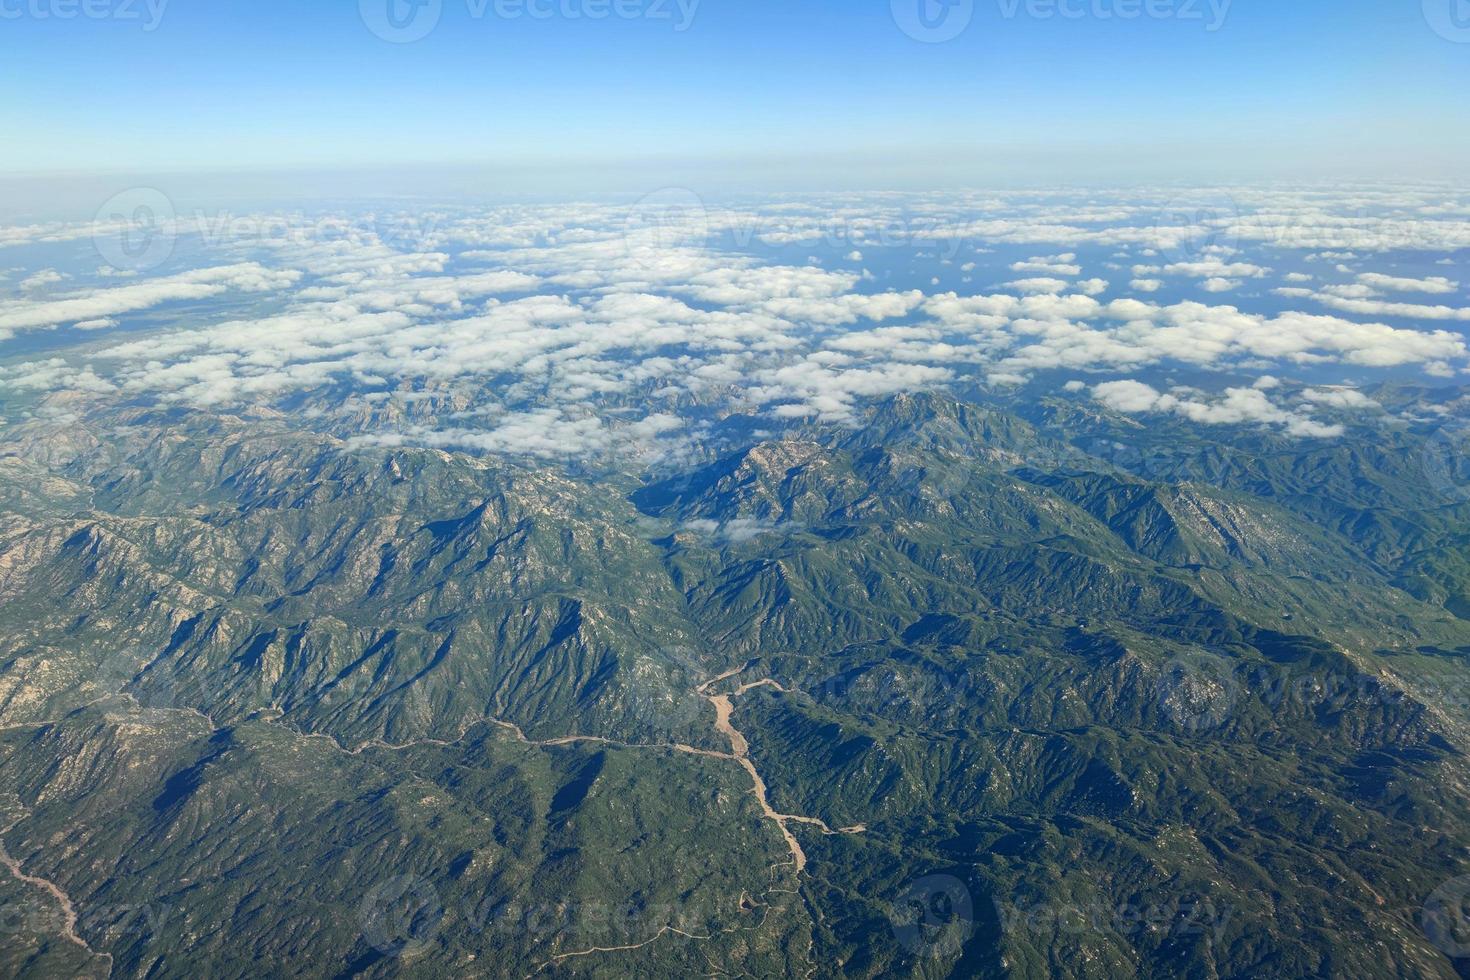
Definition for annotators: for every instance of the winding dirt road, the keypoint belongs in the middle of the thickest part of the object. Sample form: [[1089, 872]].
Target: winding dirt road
[[724, 707], [68, 910], [739, 753]]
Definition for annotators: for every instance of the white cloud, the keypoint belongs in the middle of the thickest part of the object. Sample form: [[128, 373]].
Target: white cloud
[[1346, 398], [738, 531], [1433, 284], [1220, 285], [538, 320], [1236, 407], [42, 279], [97, 304], [1372, 307], [1215, 268], [1054, 265], [1038, 285], [1130, 397]]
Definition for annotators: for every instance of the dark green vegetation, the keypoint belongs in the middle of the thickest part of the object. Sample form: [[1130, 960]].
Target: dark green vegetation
[[1106, 700]]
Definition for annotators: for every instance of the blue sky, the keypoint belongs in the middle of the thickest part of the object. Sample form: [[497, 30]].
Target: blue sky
[[802, 91]]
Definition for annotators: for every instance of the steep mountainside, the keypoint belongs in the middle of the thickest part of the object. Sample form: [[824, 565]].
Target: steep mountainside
[[951, 692]]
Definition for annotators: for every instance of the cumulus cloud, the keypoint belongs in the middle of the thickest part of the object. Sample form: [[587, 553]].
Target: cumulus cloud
[[42, 279], [1216, 268], [98, 304], [1433, 284], [1338, 397], [814, 388], [1041, 284], [1054, 265], [738, 531], [1048, 331], [1236, 406], [554, 330], [1374, 307], [1130, 397]]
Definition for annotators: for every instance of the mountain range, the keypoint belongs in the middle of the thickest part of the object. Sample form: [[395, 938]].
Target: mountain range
[[972, 686]]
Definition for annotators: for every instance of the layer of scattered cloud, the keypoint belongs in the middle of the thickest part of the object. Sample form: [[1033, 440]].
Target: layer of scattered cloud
[[1237, 406], [1433, 284], [91, 305], [558, 330]]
